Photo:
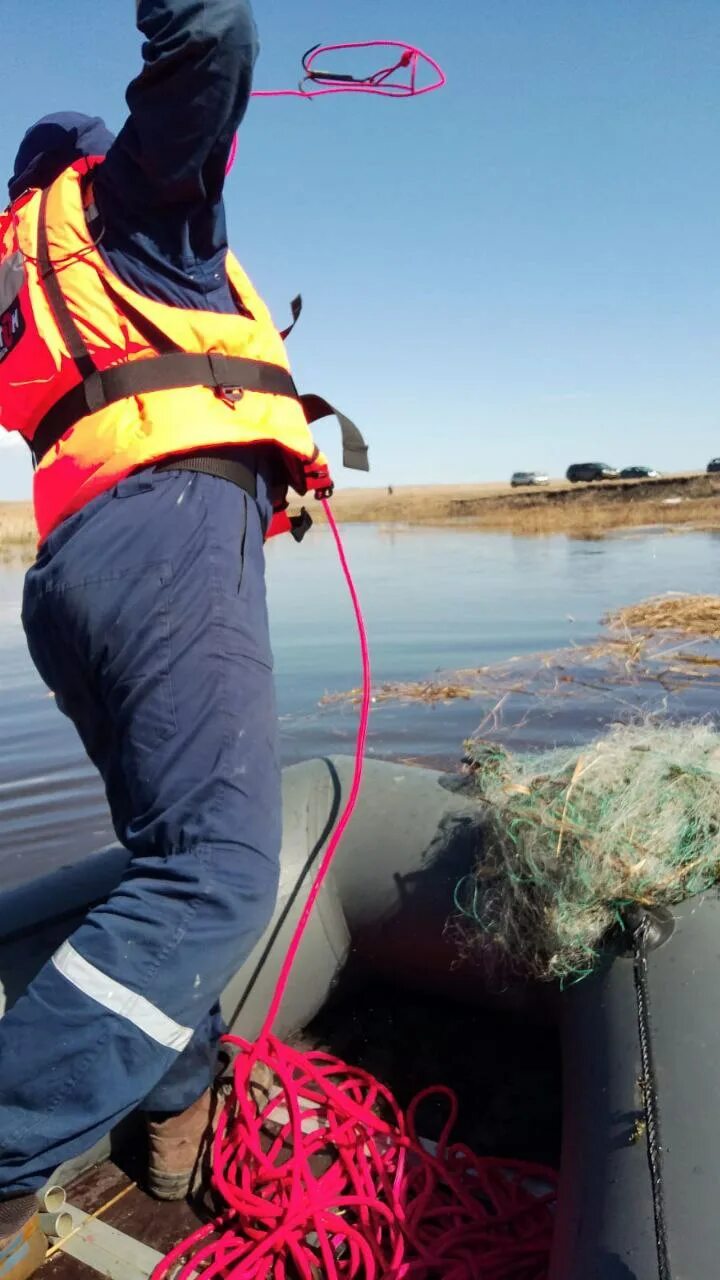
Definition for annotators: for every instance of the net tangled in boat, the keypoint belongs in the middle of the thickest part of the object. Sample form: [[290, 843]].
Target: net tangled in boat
[[572, 840]]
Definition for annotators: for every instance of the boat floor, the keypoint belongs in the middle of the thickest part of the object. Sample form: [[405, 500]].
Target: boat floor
[[123, 1241], [504, 1068]]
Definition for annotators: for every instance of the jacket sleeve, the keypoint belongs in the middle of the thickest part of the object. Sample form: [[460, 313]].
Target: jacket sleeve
[[189, 98]]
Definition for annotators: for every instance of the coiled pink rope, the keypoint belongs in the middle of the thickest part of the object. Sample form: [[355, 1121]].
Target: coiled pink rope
[[411, 59], [322, 1174], [399, 80]]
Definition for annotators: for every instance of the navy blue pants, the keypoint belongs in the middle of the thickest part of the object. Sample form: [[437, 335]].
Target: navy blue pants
[[145, 613]]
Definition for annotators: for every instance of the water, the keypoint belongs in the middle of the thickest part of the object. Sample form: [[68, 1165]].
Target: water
[[435, 600]]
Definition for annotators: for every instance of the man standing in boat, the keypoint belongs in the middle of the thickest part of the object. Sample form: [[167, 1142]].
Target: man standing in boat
[[146, 375]]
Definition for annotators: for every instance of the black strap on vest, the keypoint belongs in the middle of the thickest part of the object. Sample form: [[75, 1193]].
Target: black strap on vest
[[65, 323], [228, 376], [355, 450], [296, 307]]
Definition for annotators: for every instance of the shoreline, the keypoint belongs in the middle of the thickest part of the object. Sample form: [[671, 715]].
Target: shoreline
[[17, 530], [688, 501], [691, 499]]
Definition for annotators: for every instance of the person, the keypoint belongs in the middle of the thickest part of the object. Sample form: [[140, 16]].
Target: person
[[144, 371]]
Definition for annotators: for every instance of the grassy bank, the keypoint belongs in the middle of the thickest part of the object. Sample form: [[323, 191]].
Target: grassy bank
[[578, 510], [17, 529], [588, 509]]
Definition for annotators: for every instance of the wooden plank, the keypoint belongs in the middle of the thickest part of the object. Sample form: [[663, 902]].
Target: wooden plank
[[159, 1224], [110, 1252], [61, 1267], [96, 1186]]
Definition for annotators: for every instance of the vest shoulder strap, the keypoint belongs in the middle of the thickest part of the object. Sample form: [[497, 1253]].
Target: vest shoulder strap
[[229, 376]]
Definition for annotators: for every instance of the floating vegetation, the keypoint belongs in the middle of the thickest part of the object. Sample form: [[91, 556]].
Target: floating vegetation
[[410, 691], [691, 615], [659, 655]]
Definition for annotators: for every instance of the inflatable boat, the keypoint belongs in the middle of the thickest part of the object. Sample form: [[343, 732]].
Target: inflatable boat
[[632, 1205]]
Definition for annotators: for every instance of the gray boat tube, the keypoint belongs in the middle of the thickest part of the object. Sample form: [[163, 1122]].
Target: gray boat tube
[[409, 841], [384, 905], [606, 1227], [384, 908]]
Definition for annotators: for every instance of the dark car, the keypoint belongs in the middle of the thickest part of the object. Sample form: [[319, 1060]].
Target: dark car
[[590, 471], [639, 473], [714, 464]]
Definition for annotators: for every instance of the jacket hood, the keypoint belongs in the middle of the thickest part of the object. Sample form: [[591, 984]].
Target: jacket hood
[[54, 143]]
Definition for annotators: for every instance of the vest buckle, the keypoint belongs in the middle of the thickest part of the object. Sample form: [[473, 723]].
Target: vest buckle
[[230, 395]]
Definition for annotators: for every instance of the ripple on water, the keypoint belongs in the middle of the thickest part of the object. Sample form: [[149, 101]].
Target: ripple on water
[[434, 600]]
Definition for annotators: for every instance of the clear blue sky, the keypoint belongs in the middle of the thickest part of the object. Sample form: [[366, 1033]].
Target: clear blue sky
[[517, 272]]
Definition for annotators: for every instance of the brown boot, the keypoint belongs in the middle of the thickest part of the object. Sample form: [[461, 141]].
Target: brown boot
[[177, 1145], [23, 1245]]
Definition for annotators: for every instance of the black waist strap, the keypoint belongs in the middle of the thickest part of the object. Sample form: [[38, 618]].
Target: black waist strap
[[223, 463], [228, 376]]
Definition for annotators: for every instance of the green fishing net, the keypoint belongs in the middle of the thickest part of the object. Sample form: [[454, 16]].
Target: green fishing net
[[572, 839]]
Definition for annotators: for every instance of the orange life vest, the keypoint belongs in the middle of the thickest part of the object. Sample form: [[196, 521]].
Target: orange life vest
[[101, 380]]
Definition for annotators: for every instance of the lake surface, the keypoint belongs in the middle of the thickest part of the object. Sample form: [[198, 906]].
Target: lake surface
[[435, 600]]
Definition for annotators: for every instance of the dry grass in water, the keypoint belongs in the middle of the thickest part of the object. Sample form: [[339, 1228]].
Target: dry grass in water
[[399, 691], [642, 655], [691, 615]]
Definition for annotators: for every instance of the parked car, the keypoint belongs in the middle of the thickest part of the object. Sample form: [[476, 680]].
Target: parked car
[[714, 464], [519, 478], [590, 471], [639, 473]]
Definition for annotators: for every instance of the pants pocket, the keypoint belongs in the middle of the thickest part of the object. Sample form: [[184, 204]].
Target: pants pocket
[[136, 676], [116, 642]]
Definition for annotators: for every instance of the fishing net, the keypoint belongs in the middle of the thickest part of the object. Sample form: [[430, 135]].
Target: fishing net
[[571, 840]]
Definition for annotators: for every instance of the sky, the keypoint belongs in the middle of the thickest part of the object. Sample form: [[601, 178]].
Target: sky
[[518, 272]]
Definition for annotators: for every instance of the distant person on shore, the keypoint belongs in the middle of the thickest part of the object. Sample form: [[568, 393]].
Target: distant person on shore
[[146, 374]]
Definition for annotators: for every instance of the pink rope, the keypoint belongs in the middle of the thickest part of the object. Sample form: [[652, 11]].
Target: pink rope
[[354, 789], [379, 83], [411, 58], [323, 1175]]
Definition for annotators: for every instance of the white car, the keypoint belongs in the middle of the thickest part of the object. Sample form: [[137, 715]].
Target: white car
[[520, 478]]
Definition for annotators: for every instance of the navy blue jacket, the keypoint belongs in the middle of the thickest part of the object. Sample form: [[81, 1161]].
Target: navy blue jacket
[[160, 191]]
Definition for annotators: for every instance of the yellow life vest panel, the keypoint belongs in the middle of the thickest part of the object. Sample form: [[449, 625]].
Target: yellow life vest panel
[[101, 381]]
